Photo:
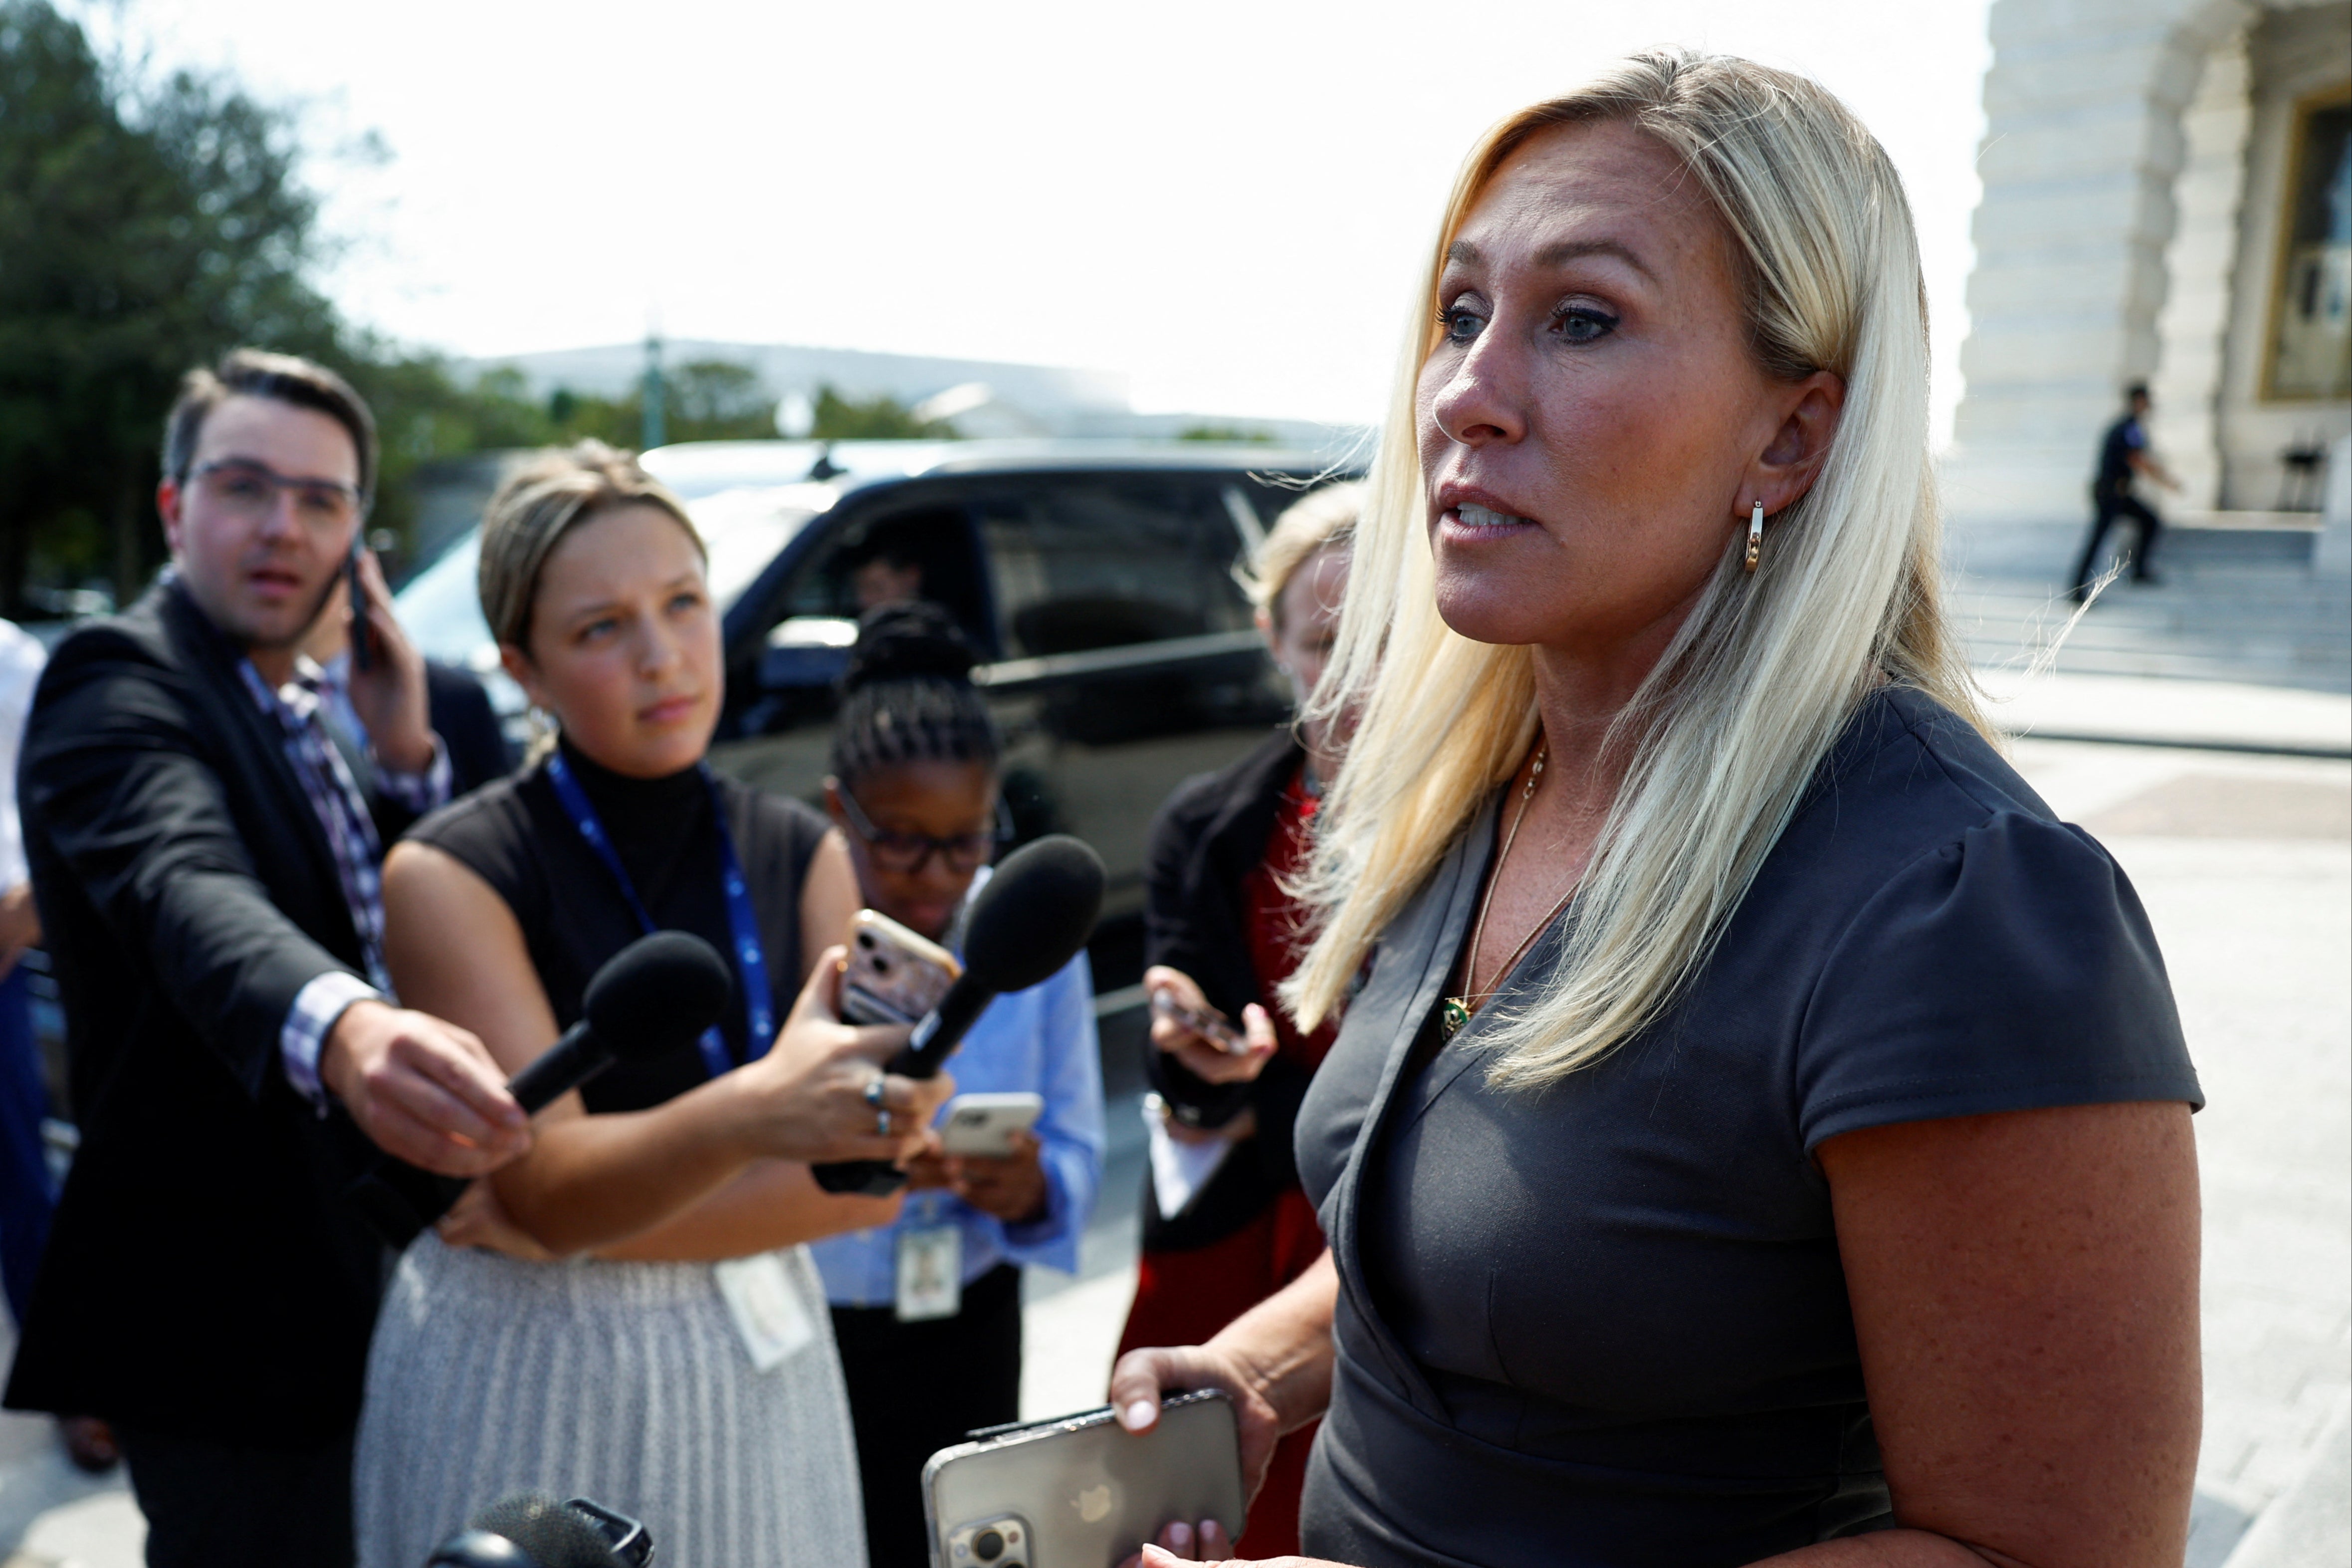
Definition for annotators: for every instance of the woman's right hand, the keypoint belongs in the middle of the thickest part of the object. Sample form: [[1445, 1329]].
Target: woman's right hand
[[807, 1098], [1204, 1057], [1141, 1376]]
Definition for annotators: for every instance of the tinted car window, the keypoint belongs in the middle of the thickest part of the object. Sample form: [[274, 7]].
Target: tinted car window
[[931, 545], [1088, 563]]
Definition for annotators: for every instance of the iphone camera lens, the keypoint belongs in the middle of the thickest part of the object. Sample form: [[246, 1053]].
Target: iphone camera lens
[[988, 1546]]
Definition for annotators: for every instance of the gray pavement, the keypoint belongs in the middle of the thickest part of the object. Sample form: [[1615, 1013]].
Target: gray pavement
[[2245, 866]]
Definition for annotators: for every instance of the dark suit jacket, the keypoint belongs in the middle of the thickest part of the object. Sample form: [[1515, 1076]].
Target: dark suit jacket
[[204, 1278], [462, 717], [1207, 838]]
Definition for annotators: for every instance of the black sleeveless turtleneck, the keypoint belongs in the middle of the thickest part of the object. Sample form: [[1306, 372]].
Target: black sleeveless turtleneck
[[516, 836]]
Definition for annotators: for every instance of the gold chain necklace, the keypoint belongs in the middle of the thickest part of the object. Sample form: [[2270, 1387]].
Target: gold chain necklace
[[1458, 1010]]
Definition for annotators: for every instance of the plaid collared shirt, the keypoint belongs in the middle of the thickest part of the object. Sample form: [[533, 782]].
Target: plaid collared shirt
[[341, 808]]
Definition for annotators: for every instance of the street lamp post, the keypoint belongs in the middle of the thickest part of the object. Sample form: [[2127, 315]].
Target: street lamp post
[[655, 428]]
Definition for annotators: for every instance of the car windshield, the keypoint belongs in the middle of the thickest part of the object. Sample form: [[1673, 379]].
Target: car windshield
[[441, 607]]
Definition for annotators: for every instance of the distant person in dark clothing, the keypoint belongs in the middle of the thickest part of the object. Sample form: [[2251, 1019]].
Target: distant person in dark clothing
[[891, 571], [2122, 454], [1225, 1223], [27, 1196]]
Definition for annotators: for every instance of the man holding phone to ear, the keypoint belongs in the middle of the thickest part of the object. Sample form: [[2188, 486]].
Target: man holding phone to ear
[[203, 854]]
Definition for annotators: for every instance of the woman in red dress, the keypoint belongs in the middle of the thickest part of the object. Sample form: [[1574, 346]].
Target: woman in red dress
[[1224, 1222]]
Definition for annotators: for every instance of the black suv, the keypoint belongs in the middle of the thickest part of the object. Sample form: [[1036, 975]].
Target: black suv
[[1095, 578]]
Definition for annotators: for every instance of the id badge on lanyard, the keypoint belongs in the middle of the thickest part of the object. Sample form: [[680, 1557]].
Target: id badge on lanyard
[[930, 1268], [768, 1314]]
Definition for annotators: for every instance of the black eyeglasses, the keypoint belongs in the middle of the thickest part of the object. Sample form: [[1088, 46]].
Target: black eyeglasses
[[248, 489], [909, 853]]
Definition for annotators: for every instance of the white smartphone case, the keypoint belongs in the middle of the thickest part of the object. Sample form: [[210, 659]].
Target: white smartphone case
[[984, 1123]]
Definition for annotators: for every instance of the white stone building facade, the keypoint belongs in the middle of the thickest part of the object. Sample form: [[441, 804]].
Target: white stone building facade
[[2167, 199]]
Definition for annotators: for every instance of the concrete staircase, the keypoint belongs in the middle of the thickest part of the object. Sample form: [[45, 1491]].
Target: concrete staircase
[[2235, 604]]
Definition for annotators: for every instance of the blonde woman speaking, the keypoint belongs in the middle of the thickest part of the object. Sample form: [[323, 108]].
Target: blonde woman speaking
[[1763, 1123]]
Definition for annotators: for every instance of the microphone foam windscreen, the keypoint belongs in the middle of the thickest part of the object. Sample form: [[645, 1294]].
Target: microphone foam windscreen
[[658, 993], [1034, 913], [553, 1534]]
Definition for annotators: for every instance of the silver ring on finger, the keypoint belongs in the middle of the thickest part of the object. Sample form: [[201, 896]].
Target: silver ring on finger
[[882, 1124]]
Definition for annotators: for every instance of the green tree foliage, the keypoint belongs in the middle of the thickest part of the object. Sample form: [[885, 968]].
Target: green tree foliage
[[147, 226], [143, 228], [1230, 435], [426, 411], [874, 419], [719, 401], [704, 400]]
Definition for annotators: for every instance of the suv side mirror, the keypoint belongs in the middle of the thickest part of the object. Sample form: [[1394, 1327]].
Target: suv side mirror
[[806, 651]]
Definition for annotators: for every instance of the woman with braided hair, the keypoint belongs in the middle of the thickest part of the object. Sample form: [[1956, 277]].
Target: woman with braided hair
[[915, 792]]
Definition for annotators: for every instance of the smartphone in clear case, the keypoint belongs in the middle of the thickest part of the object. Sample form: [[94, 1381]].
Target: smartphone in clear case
[[1082, 1491], [894, 975]]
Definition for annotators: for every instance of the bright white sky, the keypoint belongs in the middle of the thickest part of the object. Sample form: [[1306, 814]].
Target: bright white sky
[[1225, 199]]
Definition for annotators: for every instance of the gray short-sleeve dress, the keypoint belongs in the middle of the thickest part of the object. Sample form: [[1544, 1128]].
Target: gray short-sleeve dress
[[1606, 1324]]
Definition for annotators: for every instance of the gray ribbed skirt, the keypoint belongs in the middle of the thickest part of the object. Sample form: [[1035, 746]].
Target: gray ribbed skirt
[[626, 1383]]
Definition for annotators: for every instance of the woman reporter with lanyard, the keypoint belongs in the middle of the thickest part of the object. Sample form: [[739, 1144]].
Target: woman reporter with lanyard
[[627, 1312]]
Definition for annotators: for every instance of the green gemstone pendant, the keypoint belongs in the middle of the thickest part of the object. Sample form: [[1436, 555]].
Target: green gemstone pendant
[[1456, 1013]]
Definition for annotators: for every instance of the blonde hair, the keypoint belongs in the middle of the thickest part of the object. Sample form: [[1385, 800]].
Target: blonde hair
[[1726, 730], [541, 499], [1306, 528]]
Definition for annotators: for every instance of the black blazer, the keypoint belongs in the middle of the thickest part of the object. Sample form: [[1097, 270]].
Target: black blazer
[[1208, 837], [462, 717], [203, 1277]]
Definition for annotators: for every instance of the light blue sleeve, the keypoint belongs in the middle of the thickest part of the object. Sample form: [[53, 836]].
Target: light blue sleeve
[[1070, 1130]]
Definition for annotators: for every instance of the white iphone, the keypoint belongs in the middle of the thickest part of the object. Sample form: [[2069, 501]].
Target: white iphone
[[983, 1124]]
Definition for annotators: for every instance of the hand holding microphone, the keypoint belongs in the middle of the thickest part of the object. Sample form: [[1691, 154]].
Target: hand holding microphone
[[655, 995], [1032, 918]]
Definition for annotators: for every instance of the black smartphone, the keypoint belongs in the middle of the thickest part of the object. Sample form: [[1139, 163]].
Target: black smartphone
[[361, 654], [1207, 1023]]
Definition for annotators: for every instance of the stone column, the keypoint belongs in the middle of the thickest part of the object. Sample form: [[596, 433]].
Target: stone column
[[2084, 143], [2191, 329]]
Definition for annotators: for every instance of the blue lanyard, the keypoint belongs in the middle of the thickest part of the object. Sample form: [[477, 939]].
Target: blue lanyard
[[742, 924]]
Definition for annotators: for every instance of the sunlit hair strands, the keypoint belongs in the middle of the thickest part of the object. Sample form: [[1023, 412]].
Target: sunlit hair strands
[[543, 498], [1728, 729], [1308, 527]]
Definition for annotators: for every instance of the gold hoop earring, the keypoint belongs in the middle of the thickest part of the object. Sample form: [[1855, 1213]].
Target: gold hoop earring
[[1755, 537]]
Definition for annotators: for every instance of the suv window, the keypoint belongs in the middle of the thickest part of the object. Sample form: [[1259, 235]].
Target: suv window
[[1102, 562], [921, 552]]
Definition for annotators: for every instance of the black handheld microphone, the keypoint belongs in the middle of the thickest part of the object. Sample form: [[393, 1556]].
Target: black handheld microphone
[[1032, 918], [531, 1530], [658, 993]]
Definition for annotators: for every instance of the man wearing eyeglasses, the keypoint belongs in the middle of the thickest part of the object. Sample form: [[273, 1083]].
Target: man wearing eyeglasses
[[204, 852]]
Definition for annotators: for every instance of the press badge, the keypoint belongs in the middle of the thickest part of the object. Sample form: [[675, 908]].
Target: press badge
[[931, 1272], [774, 1325]]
